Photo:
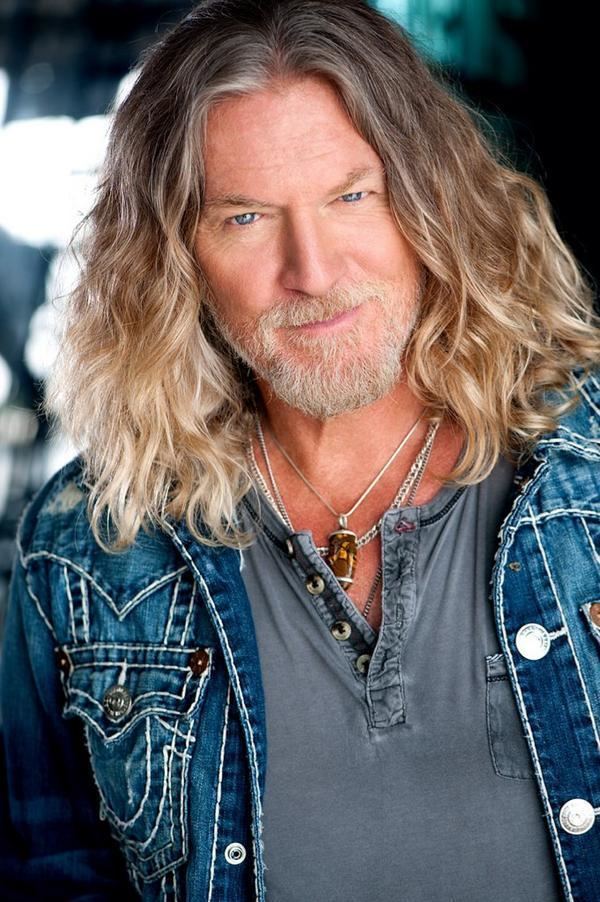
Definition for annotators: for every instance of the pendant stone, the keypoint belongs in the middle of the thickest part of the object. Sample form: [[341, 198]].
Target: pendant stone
[[342, 554]]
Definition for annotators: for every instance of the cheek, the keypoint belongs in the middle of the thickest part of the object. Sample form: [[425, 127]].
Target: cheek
[[236, 299]]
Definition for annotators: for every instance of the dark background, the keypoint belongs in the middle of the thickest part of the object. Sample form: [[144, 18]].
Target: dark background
[[529, 66]]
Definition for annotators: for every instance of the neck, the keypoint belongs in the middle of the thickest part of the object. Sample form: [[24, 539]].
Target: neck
[[341, 455]]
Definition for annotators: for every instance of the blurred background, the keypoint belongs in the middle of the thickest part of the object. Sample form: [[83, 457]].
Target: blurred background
[[526, 65]]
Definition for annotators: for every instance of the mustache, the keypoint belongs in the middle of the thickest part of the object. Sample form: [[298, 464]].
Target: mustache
[[300, 312]]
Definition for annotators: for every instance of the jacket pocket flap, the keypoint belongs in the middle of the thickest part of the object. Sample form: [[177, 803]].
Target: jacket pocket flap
[[112, 686]]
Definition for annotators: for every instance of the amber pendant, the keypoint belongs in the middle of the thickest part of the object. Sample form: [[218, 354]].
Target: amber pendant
[[342, 554]]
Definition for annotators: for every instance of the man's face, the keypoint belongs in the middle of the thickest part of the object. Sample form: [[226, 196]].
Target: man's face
[[311, 283]]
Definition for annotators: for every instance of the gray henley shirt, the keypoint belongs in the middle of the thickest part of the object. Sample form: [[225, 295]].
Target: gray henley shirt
[[397, 768]]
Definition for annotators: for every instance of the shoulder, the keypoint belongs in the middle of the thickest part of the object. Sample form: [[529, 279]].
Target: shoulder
[[579, 429], [55, 525]]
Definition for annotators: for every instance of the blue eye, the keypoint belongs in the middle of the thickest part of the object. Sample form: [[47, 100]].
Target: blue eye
[[242, 216], [353, 194]]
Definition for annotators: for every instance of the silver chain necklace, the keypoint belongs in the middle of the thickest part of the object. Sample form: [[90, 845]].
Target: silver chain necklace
[[342, 518], [405, 495]]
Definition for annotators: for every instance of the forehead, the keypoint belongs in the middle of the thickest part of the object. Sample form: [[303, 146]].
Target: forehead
[[281, 136]]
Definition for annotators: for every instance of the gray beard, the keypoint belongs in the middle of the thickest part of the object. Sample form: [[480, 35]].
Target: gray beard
[[336, 374]]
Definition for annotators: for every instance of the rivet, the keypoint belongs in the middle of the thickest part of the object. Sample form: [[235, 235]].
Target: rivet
[[198, 661], [235, 853], [63, 661], [514, 565]]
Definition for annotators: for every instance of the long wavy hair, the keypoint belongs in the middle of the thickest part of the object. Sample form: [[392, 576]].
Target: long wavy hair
[[158, 409]]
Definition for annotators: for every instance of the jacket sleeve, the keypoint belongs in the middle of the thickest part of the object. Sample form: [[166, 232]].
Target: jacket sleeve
[[53, 844]]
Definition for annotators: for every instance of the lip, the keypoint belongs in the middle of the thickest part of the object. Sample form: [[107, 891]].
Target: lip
[[326, 325]]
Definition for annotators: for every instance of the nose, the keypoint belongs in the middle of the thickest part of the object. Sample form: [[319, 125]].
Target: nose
[[312, 260]]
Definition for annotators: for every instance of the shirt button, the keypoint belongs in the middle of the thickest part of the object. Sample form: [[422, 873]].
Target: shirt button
[[341, 629], [315, 584], [595, 612], [235, 853], [532, 641], [362, 663], [116, 702], [577, 816]]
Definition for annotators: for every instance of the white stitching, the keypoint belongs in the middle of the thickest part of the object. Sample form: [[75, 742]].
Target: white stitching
[[172, 608], [257, 820], [132, 664], [38, 605], [166, 783], [78, 569], [559, 512], [589, 537], [218, 801], [189, 613], [584, 450], [71, 610], [85, 608], [174, 729], [141, 645], [125, 824], [148, 710], [184, 789], [49, 555], [532, 746], [556, 633], [588, 398], [568, 637]]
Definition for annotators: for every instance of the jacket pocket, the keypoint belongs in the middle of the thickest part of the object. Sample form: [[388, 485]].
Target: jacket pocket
[[508, 746], [141, 707]]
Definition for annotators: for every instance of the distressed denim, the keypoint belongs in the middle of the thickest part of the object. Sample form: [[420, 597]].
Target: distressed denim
[[133, 712]]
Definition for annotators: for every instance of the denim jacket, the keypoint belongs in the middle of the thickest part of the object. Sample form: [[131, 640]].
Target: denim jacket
[[133, 711]]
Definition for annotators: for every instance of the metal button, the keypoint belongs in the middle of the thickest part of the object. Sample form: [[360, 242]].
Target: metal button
[[341, 629], [235, 853], [198, 661], [514, 565], [362, 663], [595, 612], [577, 816], [532, 641], [116, 702], [315, 584]]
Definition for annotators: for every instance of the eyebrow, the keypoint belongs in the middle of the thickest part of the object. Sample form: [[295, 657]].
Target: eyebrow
[[241, 200]]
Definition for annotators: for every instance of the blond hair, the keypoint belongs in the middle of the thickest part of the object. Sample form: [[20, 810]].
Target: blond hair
[[157, 407]]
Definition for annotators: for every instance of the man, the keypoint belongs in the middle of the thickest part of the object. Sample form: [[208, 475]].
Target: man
[[334, 378]]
